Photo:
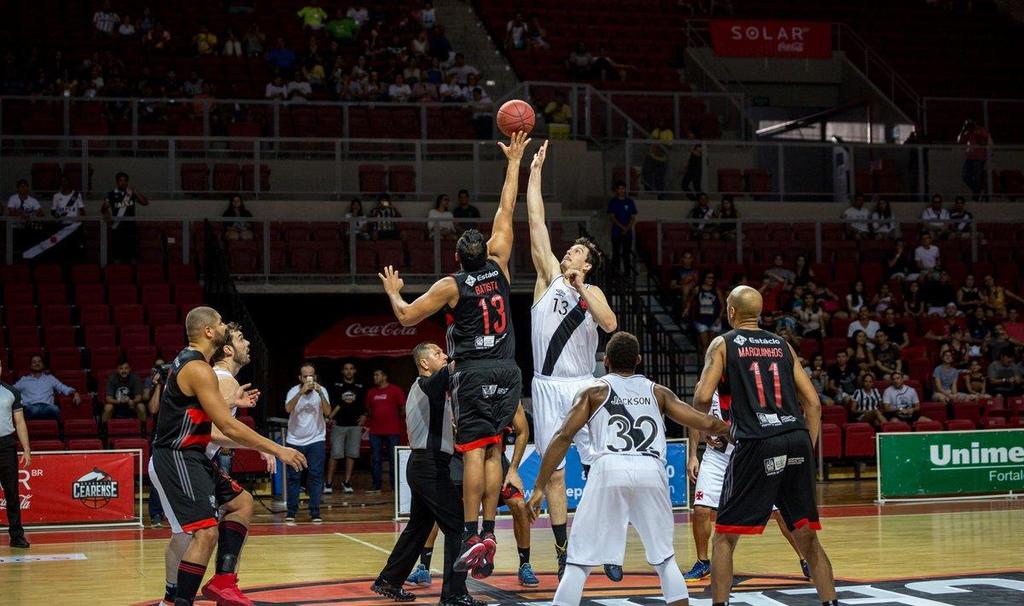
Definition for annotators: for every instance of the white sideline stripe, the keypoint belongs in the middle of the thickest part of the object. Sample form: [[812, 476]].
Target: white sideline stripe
[[53, 557], [363, 543]]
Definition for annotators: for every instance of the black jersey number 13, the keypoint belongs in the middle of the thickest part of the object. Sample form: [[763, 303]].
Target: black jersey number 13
[[497, 303]]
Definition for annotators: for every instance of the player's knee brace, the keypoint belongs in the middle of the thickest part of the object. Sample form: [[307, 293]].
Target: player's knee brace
[[672, 583]]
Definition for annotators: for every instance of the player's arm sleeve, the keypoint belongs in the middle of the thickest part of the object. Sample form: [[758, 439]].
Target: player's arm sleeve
[[714, 366]]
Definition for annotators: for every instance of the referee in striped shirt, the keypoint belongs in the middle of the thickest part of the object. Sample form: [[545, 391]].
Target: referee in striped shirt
[[428, 416]]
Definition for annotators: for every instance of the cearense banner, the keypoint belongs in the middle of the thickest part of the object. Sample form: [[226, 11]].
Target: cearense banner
[[950, 464]]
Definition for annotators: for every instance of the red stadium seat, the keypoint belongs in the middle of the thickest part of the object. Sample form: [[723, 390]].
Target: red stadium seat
[[372, 179], [225, 177], [936, 411], [19, 294], [188, 294], [831, 441], [49, 445], [969, 411], [95, 314], [123, 294], [928, 426], [141, 358], [195, 177], [119, 273], [56, 336], [161, 314], [73, 378], [90, 294], [895, 426], [150, 273], [65, 358], [85, 274], [247, 173], [859, 441], [55, 314], [131, 314], [22, 316], [48, 274], [402, 178], [70, 411], [100, 335], [994, 423], [124, 428], [135, 335], [155, 294], [76, 428], [104, 357], [42, 428], [85, 444], [960, 425], [24, 337], [831, 413]]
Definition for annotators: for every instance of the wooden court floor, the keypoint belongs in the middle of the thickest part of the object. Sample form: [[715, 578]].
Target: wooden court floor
[[332, 563]]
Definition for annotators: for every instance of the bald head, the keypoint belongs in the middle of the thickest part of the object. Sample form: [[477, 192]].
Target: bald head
[[744, 305], [199, 321]]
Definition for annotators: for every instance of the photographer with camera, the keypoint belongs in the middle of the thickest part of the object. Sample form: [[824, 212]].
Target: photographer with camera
[[976, 138], [308, 407]]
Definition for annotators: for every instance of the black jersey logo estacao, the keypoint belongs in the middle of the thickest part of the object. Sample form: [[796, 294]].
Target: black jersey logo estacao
[[481, 327]]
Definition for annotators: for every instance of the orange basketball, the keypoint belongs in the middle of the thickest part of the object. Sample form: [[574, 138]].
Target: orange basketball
[[516, 115]]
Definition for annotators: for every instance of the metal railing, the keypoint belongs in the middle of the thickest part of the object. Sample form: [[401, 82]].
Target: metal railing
[[1002, 117], [338, 252], [877, 70]]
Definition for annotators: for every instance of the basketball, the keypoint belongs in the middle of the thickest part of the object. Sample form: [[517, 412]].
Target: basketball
[[516, 115]]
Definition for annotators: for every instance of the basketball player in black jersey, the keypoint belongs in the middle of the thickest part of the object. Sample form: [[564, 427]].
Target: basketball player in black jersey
[[772, 463], [486, 384], [184, 477]]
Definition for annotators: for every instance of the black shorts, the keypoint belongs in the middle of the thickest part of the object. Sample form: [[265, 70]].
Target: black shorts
[[774, 471], [484, 400], [191, 487]]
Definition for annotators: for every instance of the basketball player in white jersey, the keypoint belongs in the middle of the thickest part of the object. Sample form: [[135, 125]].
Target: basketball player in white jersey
[[708, 476], [227, 362], [628, 481], [564, 319]]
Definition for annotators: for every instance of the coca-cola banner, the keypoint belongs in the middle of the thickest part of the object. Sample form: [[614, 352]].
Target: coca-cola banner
[[372, 336], [76, 487], [761, 38]]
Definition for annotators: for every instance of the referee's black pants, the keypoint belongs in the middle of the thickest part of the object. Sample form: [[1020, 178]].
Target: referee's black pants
[[434, 499], [9, 482]]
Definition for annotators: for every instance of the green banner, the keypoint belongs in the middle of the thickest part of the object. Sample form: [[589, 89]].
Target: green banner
[[950, 463]]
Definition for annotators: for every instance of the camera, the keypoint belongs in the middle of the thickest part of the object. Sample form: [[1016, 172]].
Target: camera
[[160, 372]]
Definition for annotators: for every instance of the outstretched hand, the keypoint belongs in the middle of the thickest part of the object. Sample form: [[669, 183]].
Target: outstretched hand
[[392, 283], [539, 157], [246, 396], [533, 505], [514, 151]]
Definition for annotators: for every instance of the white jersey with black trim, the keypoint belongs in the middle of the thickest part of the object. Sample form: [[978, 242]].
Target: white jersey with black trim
[[563, 333], [629, 422], [211, 448], [724, 452]]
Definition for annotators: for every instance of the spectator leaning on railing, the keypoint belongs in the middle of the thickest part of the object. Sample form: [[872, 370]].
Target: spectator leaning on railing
[[37, 389]]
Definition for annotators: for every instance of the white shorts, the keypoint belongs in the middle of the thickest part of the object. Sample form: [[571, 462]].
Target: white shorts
[[710, 479], [622, 490], [552, 399]]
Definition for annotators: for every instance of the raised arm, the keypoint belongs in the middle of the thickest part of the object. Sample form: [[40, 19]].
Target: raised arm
[[684, 414], [808, 398], [443, 292], [544, 259], [582, 407], [499, 247], [711, 376]]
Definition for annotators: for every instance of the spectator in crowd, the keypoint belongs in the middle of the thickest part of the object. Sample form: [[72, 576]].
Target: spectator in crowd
[[976, 140], [384, 228], [515, 33], [105, 20], [205, 42], [22, 204], [536, 32], [727, 210], [622, 214], [358, 13], [968, 296], [428, 16], [348, 412], [451, 91], [126, 29], [440, 46], [146, 21], [307, 405], [702, 212], [863, 323], [802, 270], [935, 218], [860, 354], [36, 391], [898, 265], [1004, 378], [194, 84], [944, 381], [856, 219], [976, 382], [913, 301], [866, 403], [901, 402], [157, 39], [120, 203], [979, 329], [958, 346], [299, 89], [883, 299], [440, 218], [313, 16], [123, 395], [358, 219], [693, 174], [883, 224], [579, 62], [558, 111], [684, 279], [780, 273], [1014, 326], [463, 209], [605, 68], [399, 91], [238, 230], [232, 45], [420, 45], [996, 296], [887, 357], [811, 318], [939, 295], [68, 201], [276, 89], [857, 299], [827, 299], [819, 377], [13, 429], [385, 406], [281, 57], [842, 378], [462, 70], [253, 40], [707, 310], [926, 255], [895, 331], [961, 217]]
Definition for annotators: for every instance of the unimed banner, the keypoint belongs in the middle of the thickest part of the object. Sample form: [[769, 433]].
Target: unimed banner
[[678, 485], [761, 38], [950, 463], [76, 488]]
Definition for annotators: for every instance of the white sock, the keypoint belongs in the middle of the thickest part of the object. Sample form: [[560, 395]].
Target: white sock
[[673, 586], [570, 588]]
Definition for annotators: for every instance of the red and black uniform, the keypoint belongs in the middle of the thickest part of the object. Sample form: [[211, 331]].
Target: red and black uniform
[[191, 487], [773, 460], [486, 384]]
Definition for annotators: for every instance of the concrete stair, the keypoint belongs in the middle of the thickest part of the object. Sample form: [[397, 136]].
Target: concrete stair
[[467, 35]]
